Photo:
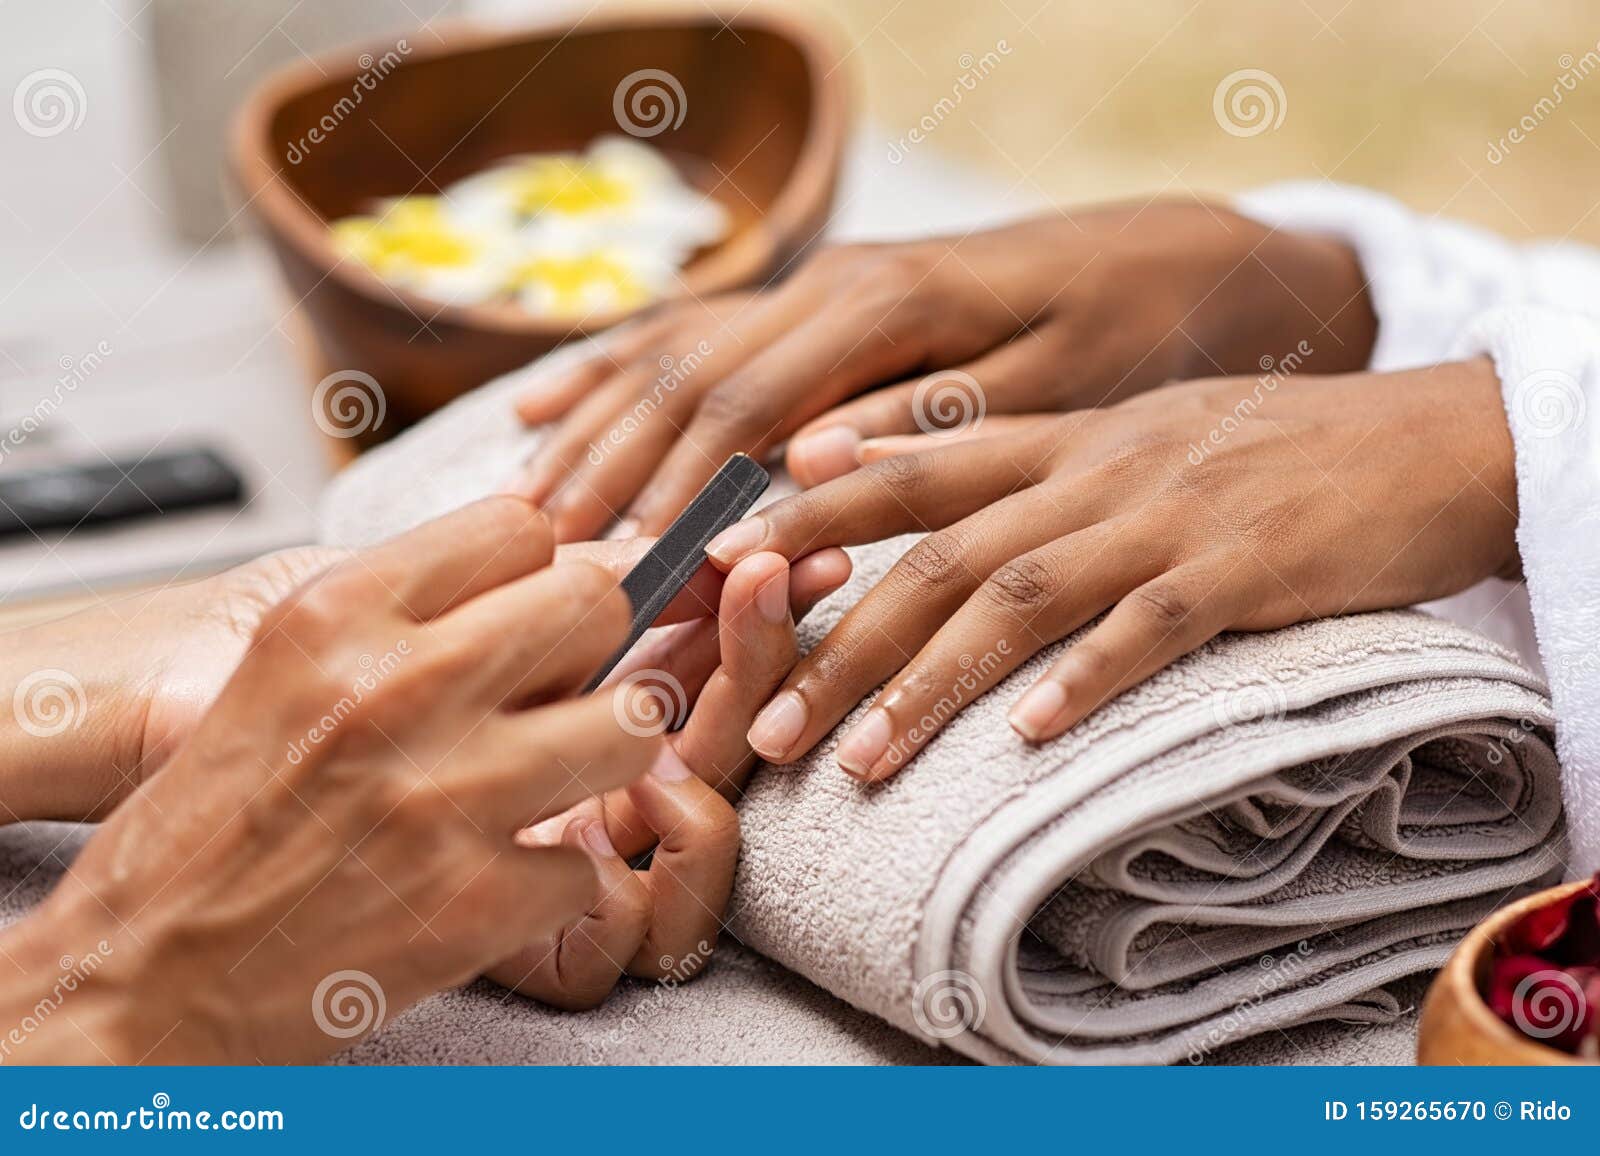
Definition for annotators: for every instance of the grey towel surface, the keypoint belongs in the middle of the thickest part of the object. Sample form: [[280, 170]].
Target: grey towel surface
[[1276, 831]]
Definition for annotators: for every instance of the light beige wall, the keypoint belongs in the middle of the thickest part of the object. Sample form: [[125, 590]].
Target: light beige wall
[[1107, 98]]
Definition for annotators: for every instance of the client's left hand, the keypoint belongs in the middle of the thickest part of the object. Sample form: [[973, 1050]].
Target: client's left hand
[[1230, 504], [662, 922]]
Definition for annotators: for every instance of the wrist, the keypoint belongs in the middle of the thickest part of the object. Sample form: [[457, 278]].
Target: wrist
[[1224, 295], [79, 688]]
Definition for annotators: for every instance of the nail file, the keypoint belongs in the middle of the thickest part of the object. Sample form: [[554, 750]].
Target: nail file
[[681, 550]]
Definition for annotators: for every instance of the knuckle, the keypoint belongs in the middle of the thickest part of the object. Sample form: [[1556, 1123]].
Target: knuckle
[[902, 474], [1163, 606], [1023, 585], [732, 405], [936, 561]]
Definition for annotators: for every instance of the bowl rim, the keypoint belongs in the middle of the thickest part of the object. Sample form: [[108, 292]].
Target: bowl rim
[[727, 267], [1460, 977]]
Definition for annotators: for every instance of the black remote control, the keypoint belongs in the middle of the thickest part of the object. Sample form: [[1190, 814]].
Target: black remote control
[[62, 497]]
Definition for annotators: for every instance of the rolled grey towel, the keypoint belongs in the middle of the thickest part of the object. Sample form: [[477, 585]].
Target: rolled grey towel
[[1264, 835]]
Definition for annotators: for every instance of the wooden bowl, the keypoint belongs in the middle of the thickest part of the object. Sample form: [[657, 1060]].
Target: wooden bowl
[[1457, 1026], [762, 130]]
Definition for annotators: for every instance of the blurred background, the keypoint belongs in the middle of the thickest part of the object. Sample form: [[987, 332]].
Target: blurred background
[[127, 273]]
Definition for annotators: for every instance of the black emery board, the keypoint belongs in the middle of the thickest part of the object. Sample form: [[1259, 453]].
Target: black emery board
[[681, 550]]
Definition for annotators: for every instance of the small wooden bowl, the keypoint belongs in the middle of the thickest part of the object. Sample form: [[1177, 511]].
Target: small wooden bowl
[[1457, 1026], [763, 131]]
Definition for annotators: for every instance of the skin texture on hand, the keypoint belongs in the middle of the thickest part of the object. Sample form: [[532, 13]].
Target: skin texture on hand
[[350, 804], [866, 341], [1229, 504]]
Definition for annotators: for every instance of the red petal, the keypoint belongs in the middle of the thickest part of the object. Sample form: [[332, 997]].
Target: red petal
[[1540, 929]]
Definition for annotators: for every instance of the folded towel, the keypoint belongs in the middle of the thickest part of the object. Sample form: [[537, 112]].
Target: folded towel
[[1264, 835]]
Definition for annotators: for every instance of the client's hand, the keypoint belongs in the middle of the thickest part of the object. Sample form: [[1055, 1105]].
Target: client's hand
[[1219, 505], [1050, 314], [662, 922], [343, 819]]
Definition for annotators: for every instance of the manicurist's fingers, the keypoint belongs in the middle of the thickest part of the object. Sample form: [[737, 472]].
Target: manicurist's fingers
[[691, 871], [576, 967], [756, 635], [451, 559]]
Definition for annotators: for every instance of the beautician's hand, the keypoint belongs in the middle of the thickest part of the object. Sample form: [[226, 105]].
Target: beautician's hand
[[344, 816], [104, 697], [1049, 314], [661, 923], [1218, 505]]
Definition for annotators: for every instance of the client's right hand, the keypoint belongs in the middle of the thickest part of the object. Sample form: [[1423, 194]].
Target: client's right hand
[[341, 823]]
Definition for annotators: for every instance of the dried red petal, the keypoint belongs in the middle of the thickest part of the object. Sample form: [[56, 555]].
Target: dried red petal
[[1554, 1006], [1540, 929], [1580, 945]]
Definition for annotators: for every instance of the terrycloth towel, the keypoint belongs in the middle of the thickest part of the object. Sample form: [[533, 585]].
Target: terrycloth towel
[[1264, 835]]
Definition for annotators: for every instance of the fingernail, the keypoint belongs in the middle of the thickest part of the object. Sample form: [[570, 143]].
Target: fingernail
[[669, 767], [738, 540], [825, 454], [860, 750], [599, 842], [778, 726], [772, 600], [623, 530], [1037, 709]]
